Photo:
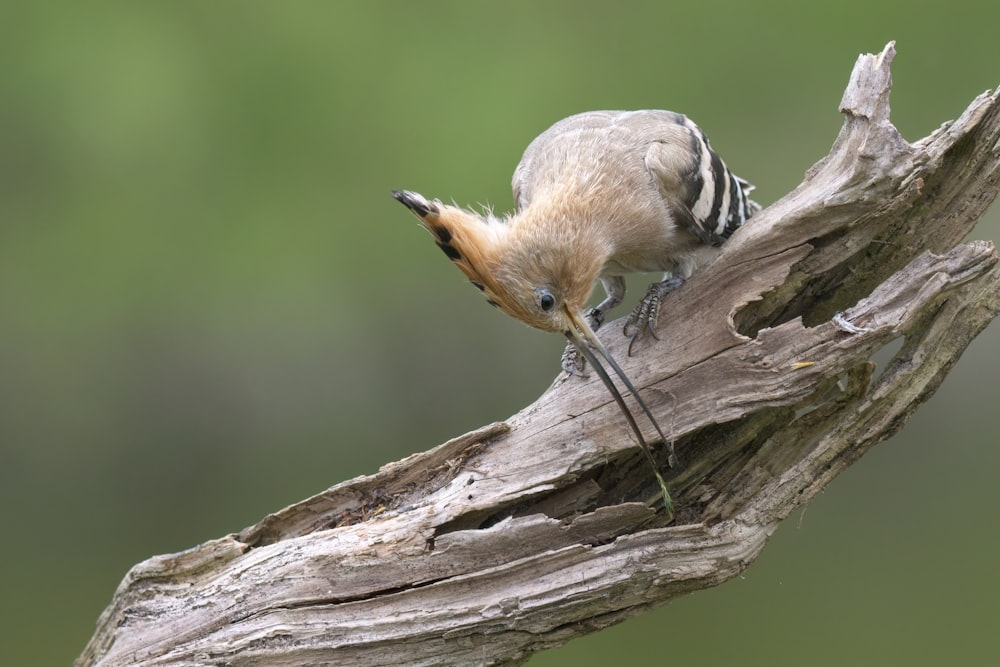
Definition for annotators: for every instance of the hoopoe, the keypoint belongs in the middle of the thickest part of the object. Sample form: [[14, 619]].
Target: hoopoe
[[598, 195]]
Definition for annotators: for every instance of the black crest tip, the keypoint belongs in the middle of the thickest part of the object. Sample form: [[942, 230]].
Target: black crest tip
[[415, 202]]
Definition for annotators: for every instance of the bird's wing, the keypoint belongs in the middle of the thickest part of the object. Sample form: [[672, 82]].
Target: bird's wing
[[694, 181], [676, 172]]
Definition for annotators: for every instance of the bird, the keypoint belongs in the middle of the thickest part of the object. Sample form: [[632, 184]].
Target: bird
[[598, 195]]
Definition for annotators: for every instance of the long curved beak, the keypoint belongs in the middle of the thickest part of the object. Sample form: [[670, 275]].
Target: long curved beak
[[584, 338]]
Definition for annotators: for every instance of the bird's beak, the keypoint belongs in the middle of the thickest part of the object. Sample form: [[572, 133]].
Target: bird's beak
[[583, 337]]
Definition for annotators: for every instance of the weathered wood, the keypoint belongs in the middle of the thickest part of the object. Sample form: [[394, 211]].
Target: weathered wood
[[524, 534]]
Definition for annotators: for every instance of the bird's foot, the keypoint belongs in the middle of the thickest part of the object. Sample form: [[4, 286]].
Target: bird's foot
[[572, 361], [642, 321]]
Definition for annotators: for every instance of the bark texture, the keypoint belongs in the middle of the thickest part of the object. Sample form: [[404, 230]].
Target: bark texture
[[524, 534]]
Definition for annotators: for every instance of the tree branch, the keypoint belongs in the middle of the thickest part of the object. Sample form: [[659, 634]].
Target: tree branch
[[524, 534]]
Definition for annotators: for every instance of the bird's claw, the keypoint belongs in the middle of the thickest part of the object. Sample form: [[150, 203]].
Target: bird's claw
[[642, 321], [572, 361]]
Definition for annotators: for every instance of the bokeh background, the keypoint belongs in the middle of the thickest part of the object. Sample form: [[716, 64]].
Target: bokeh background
[[210, 306]]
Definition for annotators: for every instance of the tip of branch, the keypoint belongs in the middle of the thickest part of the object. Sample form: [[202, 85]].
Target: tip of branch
[[867, 93]]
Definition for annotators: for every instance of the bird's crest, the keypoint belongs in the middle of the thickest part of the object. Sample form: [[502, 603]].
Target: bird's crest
[[470, 241]]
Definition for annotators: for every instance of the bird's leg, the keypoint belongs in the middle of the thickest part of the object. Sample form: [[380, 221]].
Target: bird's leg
[[642, 321], [614, 288]]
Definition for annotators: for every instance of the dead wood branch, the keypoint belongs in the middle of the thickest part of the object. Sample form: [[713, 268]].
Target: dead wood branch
[[524, 534]]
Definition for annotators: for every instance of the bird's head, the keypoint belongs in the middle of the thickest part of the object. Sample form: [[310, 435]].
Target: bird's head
[[536, 276]]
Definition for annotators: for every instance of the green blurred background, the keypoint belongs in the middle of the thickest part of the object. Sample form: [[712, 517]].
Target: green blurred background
[[210, 306]]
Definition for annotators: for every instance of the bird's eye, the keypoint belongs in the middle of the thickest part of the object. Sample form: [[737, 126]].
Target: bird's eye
[[546, 301]]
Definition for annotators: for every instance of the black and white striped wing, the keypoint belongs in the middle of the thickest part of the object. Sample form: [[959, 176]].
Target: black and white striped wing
[[700, 190]]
